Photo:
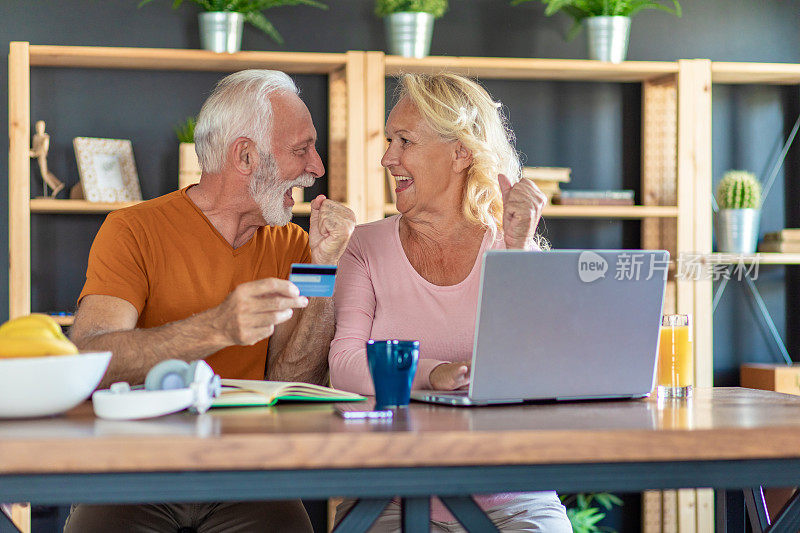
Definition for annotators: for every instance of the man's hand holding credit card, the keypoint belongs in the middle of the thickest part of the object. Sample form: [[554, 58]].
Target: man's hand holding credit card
[[313, 280]]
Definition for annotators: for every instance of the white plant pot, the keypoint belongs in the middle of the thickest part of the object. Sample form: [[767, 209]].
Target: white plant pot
[[221, 31], [188, 165], [607, 38], [409, 33], [737, 230]]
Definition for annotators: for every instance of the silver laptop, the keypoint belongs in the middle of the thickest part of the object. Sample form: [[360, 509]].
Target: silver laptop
[[564, 325]]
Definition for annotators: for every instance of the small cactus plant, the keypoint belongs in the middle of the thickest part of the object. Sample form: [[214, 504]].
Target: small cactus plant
[[739, 189]]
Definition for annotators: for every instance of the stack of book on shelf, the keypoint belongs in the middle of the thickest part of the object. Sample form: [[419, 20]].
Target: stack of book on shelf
[[586, 197], [548, 179], [786, 241]]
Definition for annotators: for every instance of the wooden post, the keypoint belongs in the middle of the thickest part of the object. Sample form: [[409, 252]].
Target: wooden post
[[19, 180], [356, 125], [19, 210], [696, 508], [695, 176], [375, 181], [337, 135], [699, 135], [659, 187]]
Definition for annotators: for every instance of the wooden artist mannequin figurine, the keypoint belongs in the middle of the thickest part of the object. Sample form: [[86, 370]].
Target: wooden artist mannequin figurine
[[41, 145]]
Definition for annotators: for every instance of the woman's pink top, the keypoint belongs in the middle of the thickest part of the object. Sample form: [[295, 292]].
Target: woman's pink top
[[379, 295]]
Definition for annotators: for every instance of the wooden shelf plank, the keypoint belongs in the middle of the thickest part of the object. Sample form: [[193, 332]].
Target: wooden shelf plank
[[63, 320], [596, 211], [610, 211], [534, 69], [169, 59], [761, 258], [766, 73], [49, 205]]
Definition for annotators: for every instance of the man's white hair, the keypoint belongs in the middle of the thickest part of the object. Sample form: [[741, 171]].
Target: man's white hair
[[239, 106]]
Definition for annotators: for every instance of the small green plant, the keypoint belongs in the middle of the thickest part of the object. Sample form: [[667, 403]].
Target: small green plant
[[185, 130], [739, 189], [583, 9], [436, 8], [251, 9], [584, 513]]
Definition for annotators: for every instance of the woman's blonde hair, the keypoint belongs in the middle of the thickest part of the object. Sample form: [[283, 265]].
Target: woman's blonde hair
[[459, 109]]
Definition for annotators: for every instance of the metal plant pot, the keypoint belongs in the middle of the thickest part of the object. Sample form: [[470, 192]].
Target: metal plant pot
[[221, 31], [409, 33], [737, 230], [607, 38]]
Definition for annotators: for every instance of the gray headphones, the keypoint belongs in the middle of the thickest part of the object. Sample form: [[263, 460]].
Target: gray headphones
[[170, 386]]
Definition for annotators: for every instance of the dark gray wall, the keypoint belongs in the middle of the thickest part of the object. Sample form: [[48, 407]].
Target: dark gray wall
[[594, 128]]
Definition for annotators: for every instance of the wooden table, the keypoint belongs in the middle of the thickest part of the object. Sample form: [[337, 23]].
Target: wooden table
[[726, 438]]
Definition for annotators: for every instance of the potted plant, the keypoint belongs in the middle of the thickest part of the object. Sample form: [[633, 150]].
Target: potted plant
[[221, 21], [736, 222], [584, 510], [608, 22], [409, 24], [188, 165]]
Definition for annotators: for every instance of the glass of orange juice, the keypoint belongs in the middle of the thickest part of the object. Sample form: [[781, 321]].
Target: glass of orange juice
[[675, 357]]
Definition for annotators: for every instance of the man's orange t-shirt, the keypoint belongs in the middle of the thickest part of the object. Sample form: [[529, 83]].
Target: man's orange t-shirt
[[167, 259]]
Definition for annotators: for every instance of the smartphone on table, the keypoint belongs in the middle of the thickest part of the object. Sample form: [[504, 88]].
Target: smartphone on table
[[360, 411]]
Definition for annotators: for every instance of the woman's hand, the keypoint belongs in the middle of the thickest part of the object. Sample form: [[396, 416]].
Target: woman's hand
[[450, 376], [523, 204]]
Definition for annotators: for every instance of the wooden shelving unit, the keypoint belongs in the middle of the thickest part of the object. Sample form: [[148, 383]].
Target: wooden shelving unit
[[755, 74], [346, 95]]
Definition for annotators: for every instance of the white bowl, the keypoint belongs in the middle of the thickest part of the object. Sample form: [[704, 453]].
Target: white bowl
[[41, 386]]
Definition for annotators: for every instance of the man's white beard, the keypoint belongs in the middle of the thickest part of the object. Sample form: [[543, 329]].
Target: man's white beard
[[267, 190]]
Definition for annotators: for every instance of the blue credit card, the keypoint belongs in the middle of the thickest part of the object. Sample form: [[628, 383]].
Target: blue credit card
[[313, 280]]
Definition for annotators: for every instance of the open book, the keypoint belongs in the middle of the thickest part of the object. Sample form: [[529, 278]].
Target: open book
[[250, 392]]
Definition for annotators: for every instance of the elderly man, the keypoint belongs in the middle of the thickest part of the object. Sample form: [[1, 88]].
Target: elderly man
[[201, 273]]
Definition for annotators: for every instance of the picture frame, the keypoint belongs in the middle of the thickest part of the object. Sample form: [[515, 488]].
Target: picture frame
[[107, 169]]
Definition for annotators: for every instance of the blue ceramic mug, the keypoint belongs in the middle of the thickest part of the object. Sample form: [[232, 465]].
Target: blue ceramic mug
[[393, 365]]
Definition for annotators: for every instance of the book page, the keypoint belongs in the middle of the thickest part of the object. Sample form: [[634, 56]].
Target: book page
[[256, 392]]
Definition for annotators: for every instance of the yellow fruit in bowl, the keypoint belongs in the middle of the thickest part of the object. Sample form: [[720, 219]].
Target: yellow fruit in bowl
[[33, 335], [36, 321]]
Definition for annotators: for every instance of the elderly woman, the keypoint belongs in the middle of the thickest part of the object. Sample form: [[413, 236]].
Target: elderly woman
[[416, 275]]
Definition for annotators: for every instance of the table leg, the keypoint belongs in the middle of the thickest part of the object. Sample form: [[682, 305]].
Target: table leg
[[468, 513], [362, 515], [6, 525], [730, 512], [756, 509], [788, 521], [416, 515]]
